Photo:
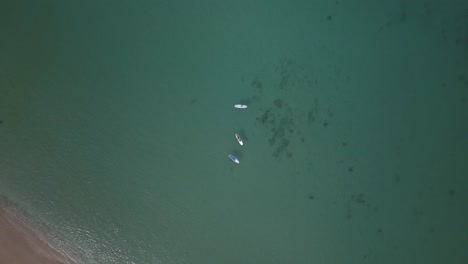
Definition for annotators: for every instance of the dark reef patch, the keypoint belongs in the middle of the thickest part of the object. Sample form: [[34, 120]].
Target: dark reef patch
[[257, 83], [311, 116], [286, 81], [286, 72], [265, 116], [330, 113], [257, 86], [359, 199], [272, 141], [461, 76], [282, 146], [278, 103], [313, 112], [278, 119]]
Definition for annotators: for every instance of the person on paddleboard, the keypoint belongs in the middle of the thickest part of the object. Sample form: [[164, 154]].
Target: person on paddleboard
[[239, 139]]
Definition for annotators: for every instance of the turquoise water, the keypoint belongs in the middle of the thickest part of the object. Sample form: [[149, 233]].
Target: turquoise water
[[117, 119]]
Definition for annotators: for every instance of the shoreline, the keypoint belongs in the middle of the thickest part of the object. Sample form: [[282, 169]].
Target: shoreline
[[20, 244]]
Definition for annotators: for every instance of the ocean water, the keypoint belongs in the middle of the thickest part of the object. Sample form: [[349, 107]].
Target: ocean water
[[117, 118]]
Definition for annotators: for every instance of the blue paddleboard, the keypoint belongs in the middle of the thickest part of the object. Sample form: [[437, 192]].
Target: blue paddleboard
[[233, 158]]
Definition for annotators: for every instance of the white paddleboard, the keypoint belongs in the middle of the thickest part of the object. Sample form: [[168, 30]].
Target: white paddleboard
[[239, 139], [240, 106]]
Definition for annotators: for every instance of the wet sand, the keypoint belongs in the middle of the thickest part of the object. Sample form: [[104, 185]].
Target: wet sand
[[20, 245]]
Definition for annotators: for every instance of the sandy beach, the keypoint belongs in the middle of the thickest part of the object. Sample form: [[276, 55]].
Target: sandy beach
[[20, 245]]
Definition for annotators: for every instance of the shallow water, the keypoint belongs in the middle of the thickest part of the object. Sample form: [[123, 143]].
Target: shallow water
[[117, 121]]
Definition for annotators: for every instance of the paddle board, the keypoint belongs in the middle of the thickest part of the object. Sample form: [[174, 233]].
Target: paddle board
[[233, 158], [240, 106], [239, 139]]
